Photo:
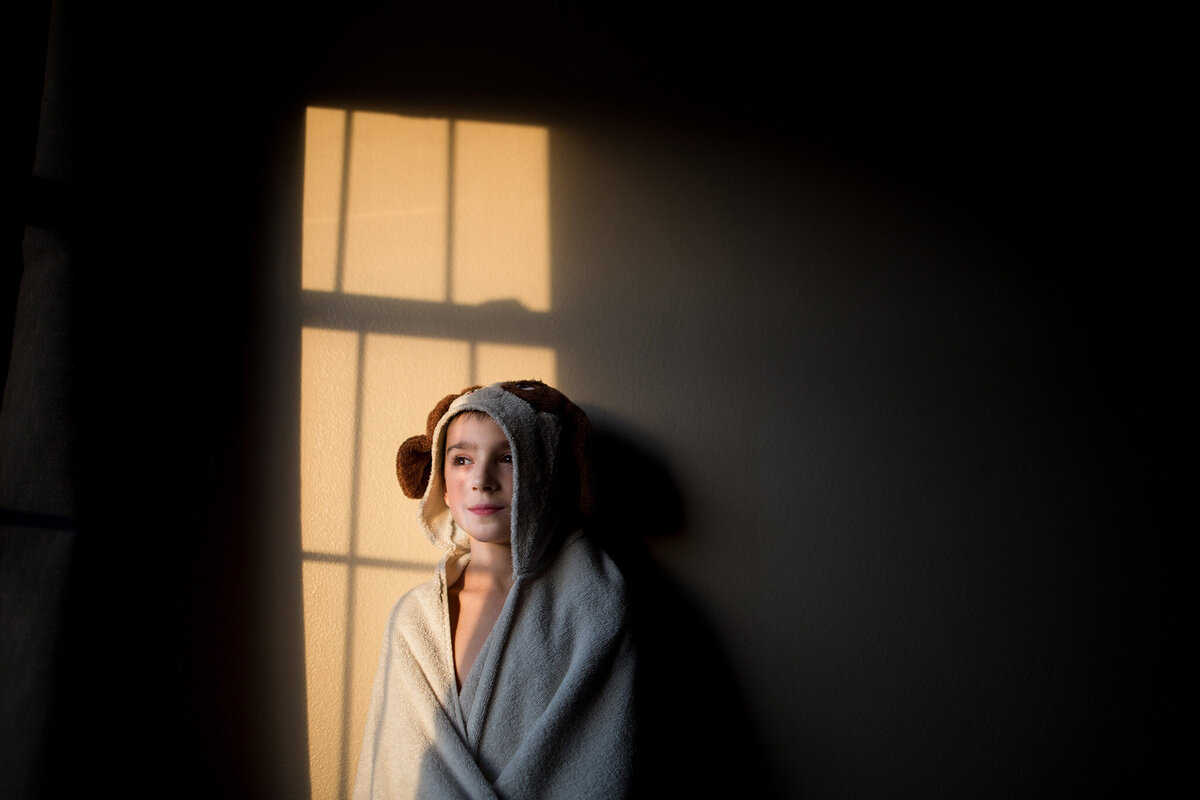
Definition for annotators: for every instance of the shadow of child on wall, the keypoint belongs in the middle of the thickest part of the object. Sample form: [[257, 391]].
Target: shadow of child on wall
[[694, 733]]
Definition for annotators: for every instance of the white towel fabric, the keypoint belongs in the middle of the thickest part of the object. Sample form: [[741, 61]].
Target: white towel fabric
[[547, 708]]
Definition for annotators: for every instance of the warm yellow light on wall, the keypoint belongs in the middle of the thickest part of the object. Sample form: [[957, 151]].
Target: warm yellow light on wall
[[324, 149], [501, 214], [375, 200], [426, 209], [326, 616], [510, 362], [328, 376], [404, 377], [406, 209]]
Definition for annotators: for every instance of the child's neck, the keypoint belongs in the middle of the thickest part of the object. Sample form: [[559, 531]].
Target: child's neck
[[476, 600], [490, 566]]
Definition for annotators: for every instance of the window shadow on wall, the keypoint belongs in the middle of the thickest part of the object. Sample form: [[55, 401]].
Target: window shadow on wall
[[427, 267], [425, 270]]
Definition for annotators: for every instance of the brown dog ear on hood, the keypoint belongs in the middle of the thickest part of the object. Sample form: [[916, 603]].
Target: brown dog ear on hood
[[414, 459]]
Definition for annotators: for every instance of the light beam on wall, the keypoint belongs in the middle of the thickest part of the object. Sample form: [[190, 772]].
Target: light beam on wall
[[405, 219]]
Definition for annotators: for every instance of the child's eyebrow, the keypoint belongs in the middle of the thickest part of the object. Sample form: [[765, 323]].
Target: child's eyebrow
[[472, 447]]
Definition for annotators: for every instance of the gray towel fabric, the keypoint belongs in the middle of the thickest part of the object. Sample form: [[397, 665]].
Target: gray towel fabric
[[547, 708]]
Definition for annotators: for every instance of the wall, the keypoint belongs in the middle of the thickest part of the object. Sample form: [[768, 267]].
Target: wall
[[903, 509], [875, 363]]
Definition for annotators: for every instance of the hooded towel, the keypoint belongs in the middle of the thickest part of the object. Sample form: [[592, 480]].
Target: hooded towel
[[547, 708]]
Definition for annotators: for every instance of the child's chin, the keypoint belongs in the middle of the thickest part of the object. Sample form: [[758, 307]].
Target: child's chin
[[489, 540], [489, 534]]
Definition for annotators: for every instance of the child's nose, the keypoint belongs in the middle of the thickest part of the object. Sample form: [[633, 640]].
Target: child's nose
[[484, 478]]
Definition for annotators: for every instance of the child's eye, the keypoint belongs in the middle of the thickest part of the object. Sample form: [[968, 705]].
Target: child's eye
[[459, 461], [506, 458]]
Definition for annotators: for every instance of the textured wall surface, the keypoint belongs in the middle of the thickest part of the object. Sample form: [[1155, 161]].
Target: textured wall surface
[[874, 329]]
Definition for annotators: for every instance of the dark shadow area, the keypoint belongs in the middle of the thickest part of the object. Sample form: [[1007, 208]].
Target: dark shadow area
[[695, 734], [167, 657]]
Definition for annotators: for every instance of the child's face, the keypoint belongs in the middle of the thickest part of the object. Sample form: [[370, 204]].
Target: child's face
[[478, 473]]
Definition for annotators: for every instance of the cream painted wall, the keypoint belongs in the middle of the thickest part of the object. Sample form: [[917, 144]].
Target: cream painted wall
[[873, 404], [844, 380], [875, 313]]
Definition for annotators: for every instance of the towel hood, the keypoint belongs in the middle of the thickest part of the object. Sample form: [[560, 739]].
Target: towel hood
[[551, 481]]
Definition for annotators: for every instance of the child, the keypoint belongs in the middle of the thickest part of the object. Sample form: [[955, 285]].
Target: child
[[510, 673]]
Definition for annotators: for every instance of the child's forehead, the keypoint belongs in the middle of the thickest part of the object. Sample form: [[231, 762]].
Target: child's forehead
[[474, 429]]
